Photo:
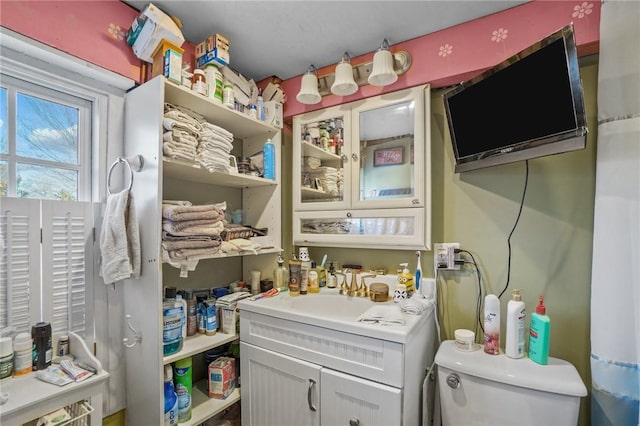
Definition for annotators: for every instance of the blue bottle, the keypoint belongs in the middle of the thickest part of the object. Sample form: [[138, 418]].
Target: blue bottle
[[170, 399], [269, 159], [539, 334]]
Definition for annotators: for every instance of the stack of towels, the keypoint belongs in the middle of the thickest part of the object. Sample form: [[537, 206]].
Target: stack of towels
[[188, 136], [190, 232]]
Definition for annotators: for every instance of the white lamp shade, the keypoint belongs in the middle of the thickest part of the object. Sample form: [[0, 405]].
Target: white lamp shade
[[308, 93], [382, 73], [344, 84]]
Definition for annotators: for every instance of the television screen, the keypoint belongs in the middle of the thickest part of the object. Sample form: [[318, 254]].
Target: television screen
[[528, 106]]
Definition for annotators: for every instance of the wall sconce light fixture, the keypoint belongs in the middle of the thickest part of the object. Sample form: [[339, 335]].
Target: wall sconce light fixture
[[382, 71], [308, 93]]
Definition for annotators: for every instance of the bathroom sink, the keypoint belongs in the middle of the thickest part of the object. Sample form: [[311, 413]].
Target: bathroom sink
[[332, 310]]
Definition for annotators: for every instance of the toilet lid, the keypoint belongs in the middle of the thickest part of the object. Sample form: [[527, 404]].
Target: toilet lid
[[558, 376]]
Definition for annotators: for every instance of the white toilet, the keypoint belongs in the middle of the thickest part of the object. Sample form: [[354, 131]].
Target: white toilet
[[480, 389]]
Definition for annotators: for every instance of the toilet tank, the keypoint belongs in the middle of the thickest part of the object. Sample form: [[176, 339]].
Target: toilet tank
[[480, 389]]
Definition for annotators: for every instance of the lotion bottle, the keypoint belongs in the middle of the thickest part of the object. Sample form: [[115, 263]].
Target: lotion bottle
[[539, 334], [492, 324], [516, 313]]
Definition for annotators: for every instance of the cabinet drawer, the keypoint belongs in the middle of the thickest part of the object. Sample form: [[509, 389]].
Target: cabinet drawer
[[366, 357]]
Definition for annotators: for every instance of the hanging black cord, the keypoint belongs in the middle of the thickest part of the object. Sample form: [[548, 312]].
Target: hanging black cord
[[524, 193], [479, 301]]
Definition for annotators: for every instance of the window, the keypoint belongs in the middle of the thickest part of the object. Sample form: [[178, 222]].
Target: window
[[45, 142]]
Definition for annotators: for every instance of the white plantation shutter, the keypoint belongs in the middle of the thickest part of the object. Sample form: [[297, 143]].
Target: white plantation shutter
[[67, 266], [19, 263], [47, 265]]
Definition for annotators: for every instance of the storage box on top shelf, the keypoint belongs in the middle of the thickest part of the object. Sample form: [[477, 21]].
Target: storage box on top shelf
[[273, 113], [215, 41], [148, 30], [216, 56], [167, 61]]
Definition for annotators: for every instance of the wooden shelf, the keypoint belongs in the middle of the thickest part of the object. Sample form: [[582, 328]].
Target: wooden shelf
[[203, 407], [185, 170], [199, 343], [310, 150]]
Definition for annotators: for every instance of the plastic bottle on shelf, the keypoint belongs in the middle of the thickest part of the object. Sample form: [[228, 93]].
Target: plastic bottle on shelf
[[183, 379], [171, 323], [514, 339], [260, 107], [183, 314], [492, 324], [199, 82], [192, 318], [269, 160], [228, 97], [170, 399], [214, 83], [539, 334], [23, 354]]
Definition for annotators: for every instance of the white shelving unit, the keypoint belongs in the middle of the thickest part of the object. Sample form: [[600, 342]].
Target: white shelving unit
[[161, 178]]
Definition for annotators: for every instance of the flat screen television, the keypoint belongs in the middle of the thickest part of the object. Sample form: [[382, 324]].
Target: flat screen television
[[528, 106]]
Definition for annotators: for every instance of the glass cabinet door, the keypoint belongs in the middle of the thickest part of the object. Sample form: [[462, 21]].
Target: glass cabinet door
[[322, 147], [388, 159]]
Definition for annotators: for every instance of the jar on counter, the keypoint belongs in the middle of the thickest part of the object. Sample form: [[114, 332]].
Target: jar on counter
[[199, 82]]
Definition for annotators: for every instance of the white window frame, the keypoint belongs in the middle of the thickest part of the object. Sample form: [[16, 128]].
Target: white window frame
[[25, 58]]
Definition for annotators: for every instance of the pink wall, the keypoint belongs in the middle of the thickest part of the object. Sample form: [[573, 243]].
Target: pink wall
[[94, 31], [457, 53]]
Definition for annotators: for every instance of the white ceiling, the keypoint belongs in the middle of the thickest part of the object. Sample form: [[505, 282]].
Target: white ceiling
[[283, 38]]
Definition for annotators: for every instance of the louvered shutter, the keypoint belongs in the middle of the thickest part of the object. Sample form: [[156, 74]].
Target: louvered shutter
[[19, 263], [67, 266]]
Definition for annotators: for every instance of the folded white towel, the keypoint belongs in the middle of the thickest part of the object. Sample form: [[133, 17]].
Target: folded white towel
[[383, 315], [120, 239], [416, 304]]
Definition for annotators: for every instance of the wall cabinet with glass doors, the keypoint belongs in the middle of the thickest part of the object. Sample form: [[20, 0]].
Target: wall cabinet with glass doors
[[361, 173]]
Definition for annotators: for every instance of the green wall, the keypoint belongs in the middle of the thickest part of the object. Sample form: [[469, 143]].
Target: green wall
[[551, 246]]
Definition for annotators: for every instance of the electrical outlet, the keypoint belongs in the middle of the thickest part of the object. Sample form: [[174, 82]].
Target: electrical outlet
[[444, 256]]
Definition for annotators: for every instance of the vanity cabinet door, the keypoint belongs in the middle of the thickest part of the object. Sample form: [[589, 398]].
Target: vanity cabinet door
[[349, 400], [278, 389]]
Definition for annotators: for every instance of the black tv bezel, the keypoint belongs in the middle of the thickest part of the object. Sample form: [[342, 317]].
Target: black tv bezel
[[570, 140]]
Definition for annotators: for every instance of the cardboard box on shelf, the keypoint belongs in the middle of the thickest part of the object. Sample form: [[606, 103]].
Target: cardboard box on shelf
[[221, 377], [167, 61], [273, 113], [215, 41], [218, 56], [148, 30]]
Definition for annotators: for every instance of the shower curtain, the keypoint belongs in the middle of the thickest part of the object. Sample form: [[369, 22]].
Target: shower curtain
[[615, 285]]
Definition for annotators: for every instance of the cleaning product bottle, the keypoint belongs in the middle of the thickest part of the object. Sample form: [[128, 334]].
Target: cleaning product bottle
[[170, 399], [492, 324], [171, 323], [183, 314], [516, 313], [183, 377], [539, 334], [418, 276], [281, 275], [269, 160]]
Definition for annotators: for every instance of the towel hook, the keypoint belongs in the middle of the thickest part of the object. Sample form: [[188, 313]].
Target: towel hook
[[133, 163], [137, 335]]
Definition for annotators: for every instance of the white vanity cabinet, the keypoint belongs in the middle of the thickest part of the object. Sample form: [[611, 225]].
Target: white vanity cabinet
[[307, 361], [159, 179], [361, 173]]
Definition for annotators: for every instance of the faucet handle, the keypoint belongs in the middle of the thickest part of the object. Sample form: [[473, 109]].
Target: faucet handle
[[343, 286], [363, 290]]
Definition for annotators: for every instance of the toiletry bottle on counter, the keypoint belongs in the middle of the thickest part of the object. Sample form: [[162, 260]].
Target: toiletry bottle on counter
[[281, 275], [42, 349], [492, 324], [516, 313], [305, 267], [294, 278], [269, 159], [539, 334], [313, 285]]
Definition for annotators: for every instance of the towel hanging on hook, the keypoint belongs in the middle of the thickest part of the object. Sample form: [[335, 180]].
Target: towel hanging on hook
[[133, 163]]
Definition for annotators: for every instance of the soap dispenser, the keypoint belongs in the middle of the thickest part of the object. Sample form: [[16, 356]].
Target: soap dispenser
[[406, 277]]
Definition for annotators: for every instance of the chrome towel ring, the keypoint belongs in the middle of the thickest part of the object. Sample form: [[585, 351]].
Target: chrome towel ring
[[133, 163]]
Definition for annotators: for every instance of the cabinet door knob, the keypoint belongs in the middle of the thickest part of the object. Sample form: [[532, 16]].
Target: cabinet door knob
[[344, 158], [354, 422], [354, 156], [349, 214], [311, 384], [415, 201]]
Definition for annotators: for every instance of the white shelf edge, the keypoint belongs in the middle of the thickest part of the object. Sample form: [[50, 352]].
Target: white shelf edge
[[308, 149], [204, 408], [199, 343], [187, 170], [226, 255]]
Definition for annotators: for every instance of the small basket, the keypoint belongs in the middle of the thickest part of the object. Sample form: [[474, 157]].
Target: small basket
[[80, 414]]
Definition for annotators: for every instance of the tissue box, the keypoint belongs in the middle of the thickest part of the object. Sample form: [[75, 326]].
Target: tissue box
[[212, 42], [273, 113], [222, 377], [149, 29], [216, 55]]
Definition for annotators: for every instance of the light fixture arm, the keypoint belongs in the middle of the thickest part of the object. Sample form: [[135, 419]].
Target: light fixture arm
[[401, 64]]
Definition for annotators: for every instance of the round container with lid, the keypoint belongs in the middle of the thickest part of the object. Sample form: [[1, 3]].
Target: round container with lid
[[6, 357], [464, 340], [23, 355], [228, 97], [214, 82]]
